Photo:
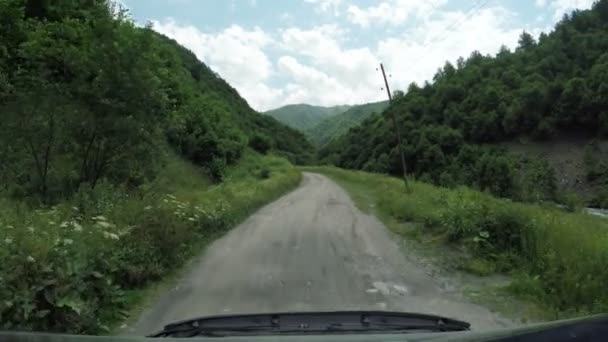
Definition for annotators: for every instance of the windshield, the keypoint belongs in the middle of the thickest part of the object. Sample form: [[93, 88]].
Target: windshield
[[379, 167]]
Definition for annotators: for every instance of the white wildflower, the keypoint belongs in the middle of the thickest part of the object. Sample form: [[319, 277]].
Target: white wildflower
[[8, 241], [64, 224], [103, 224], [10, 227], [148, 207], [100, 218], [67, 241], [52, 223], [191, 219], [111, 236], [30, 259], [77, 226], [31, 229], [75, 208], [171, 196], [165, 200]]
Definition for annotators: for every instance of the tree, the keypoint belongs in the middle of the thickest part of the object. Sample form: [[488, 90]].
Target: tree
[[32, 129], [525, 42], [260, 143], [570, 104]]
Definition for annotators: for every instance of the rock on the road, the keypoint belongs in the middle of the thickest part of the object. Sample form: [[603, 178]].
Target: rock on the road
[[311, 250]]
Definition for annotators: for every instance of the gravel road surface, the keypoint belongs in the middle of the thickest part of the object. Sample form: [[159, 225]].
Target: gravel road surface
[[312, 249]]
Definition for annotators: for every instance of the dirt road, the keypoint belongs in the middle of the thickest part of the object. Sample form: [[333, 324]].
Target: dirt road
[[310, 250]]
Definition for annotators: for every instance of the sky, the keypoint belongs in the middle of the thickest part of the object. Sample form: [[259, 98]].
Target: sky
[[326, 52]]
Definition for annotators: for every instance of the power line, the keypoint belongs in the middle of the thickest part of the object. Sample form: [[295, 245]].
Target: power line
[[472, 11]]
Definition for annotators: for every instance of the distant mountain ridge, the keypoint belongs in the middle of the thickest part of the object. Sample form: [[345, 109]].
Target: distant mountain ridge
[[323, 124], [337, 125], [303, 116]]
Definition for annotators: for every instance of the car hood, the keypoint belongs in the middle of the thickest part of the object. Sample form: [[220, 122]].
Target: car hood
[[470, 336]]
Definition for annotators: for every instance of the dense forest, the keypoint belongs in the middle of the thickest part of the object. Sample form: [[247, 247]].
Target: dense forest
[[304, 116], [86, 95], [454, 126], [335, 126]]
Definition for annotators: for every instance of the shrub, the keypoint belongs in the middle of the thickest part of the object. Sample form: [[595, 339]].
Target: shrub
[[66, 268], [217, 169], [265, 173], [571, 201], [260, 143]]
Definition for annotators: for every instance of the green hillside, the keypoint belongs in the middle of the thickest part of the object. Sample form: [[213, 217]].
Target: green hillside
[[121, 157], [88, 96], [454, 127], [303, 116], [339, 124]]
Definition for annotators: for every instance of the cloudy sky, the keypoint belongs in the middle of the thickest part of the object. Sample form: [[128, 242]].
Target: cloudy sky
[[325, 52]]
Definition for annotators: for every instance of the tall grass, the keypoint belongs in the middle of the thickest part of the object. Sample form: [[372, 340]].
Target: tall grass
[[66, 268], [559, 258]]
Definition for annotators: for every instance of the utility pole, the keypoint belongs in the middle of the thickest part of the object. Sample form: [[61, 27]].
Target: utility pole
[[397, 131]]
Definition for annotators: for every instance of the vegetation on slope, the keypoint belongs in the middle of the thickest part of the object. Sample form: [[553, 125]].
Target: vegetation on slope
[[337, 125], [557, 83], [70, 267], [557, 258], [86, 95], [120, 156], [304, 116]]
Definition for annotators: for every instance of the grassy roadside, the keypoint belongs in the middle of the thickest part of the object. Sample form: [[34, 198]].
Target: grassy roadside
[[81, 266], [556, 259]]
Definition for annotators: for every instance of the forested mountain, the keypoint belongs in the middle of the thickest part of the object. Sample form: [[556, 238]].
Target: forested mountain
[[303, 116], [339, 124], [453, 127], [87, 95]]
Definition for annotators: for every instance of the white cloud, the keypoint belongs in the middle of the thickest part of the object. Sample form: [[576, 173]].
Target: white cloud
[[561, 7], [540, 3], [392, 12], [352, 68], [235, 53], [309, 84], [327, 5], [414, 56], [324, 65], [418, 55]]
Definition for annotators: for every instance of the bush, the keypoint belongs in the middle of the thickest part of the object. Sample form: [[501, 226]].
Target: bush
[[217, 169], [488, 227], [571, 201], [260, 143], [66, 268], [265, 173]]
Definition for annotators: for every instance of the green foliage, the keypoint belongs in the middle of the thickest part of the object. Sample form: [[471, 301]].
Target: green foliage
[[93, 198], [303, 117], [88, 96], [66, 268], [260, 143], [559, 257], [333, 127], [571, 202], [544, 87]]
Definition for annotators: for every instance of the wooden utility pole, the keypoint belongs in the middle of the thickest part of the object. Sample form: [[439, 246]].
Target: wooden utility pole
[[397, 131]]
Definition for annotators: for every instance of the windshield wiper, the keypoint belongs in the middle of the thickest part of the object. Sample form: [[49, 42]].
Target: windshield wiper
[[312, 323]]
